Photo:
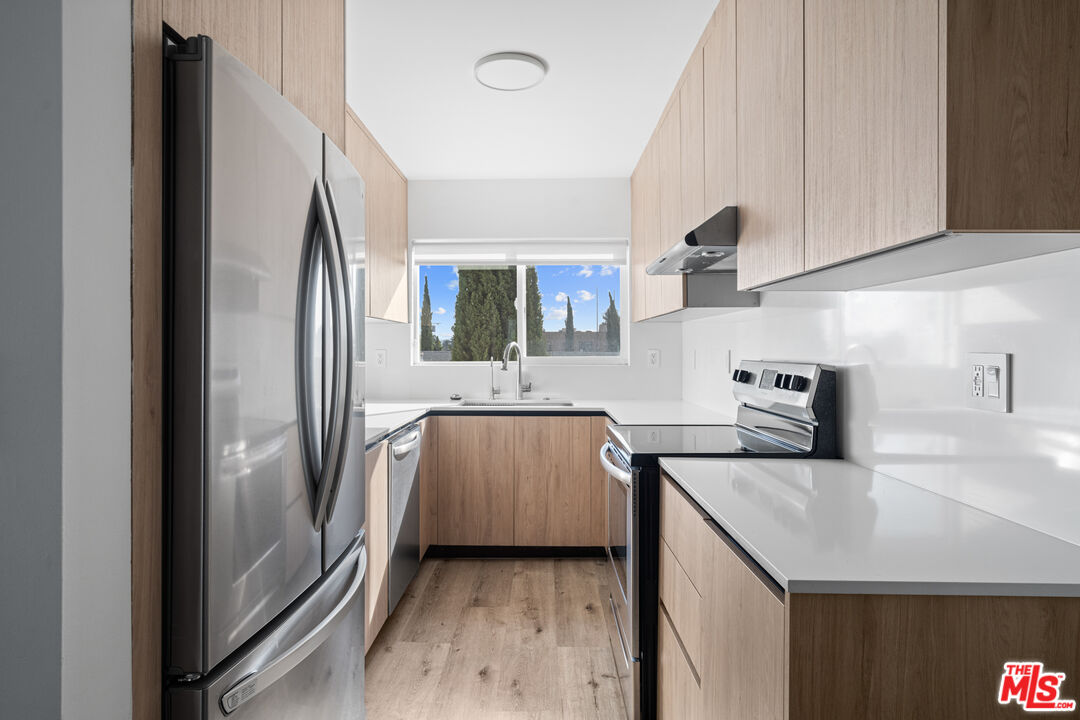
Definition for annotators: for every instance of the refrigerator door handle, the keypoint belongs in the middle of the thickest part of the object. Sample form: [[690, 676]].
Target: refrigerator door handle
[[332, 448], [279, 666], [346, 364]]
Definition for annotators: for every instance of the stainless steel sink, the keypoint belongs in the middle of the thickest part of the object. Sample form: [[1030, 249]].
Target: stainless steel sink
[[507, 402]]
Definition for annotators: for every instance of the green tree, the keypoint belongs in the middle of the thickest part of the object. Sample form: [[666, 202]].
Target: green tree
[[614, 332], [485, 318], [569, 326], [536, 343], [427, 327]]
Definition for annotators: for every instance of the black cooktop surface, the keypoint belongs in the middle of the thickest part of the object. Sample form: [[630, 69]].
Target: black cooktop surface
[[644, 444]]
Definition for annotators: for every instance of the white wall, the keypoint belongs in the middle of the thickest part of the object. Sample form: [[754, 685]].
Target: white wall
[[96, 624], [511, 209], [902, 355]]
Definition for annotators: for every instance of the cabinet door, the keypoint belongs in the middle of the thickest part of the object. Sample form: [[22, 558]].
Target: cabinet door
[[649, 169], [668, 150], [391, 279], [769, 113], [476, 480], [743, 673], [313, 62], [598, 482], [249, 29], [718, 61], [692, 144], [552, 493], [678, 694], [638, 241], [871, 126], [377, 539], [429, 484]]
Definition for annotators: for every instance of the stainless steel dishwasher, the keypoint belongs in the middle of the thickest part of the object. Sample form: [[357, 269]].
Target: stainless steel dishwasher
[[404, 510]]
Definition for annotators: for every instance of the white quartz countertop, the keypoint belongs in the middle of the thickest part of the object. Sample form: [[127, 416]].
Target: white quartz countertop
[[389, 416], [829, 526]]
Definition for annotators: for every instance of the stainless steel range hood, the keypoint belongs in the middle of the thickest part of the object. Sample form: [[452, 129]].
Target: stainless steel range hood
[[709, 248]]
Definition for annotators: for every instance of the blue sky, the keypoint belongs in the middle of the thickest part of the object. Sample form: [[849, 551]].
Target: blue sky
[[587, 286]]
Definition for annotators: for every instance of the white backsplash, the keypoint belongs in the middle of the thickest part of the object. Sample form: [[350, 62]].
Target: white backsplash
[[901, 353], [401, 380]]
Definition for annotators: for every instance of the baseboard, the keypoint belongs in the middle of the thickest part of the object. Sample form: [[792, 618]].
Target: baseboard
[[512, 551]]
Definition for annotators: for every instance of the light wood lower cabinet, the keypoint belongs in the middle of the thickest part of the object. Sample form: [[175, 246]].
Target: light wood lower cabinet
[[377, 538], [476, 480], [505, 480], [678, 689], [429, 484], [552, 493]]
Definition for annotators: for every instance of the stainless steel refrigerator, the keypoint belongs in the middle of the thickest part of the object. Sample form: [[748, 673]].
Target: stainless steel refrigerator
[[264, 402]]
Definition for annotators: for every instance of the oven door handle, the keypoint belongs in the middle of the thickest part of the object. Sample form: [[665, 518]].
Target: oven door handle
[[606, 456]]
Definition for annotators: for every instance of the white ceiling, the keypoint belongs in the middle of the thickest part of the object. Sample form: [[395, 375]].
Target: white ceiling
[[613, 64]]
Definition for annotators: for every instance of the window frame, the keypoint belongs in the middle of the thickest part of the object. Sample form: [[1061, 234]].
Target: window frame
[[622, 359]]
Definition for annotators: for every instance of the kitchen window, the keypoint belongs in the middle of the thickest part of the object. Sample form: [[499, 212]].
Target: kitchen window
[[561, 304]]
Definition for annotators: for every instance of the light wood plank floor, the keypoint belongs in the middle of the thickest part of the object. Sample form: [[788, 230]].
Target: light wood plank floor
[[472, 639]]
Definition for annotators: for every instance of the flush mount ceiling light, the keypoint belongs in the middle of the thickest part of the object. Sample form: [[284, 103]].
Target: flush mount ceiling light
[[510, 71]]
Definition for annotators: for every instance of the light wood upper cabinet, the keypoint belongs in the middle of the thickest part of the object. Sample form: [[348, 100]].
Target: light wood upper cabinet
[[387, 223], [769, 143], [719, 137], [429, 484], [248, 29], [476, 480], [692, 143], [871, 126], [638, 215], [313, 62], [669, 162], [377, 541], [552, 492]]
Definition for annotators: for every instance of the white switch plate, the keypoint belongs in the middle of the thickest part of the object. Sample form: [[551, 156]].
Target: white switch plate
[[988, 381], [654, 358], [380, 358]]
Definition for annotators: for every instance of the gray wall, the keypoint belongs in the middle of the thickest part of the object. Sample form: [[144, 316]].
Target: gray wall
[[96, 588], [30, 361], [65, 370]]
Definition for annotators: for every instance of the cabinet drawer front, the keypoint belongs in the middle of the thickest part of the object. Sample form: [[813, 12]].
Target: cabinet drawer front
[[678, 692], [682, 526], [682, 602]]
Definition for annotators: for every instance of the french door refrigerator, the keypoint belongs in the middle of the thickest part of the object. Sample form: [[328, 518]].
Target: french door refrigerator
[[264, 402]]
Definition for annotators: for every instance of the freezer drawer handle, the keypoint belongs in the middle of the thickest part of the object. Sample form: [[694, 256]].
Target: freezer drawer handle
[[254, 683]]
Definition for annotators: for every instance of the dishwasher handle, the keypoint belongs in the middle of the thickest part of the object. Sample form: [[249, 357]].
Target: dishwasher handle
[[401, 448]]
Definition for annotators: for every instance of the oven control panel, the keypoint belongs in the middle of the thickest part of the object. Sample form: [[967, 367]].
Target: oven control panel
[[781, 386]]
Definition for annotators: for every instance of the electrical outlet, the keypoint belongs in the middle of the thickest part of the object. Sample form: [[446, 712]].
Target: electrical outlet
[[988, 381], [654, 358], [380, 358]]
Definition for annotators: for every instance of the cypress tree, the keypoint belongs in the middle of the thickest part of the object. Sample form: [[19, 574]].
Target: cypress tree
[[427, 327], [536, 344], [485, 318], [614, 333], [569, 326]]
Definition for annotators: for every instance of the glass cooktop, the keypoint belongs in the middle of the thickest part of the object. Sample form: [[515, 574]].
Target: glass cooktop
[[643, 444]]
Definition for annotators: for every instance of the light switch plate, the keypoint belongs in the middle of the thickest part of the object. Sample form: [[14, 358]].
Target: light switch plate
[[988, 381], [380, 358], [654, 358]]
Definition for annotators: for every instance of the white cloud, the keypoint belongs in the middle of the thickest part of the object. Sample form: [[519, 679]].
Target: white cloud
[[452, 285], [557, 314], [441, 311], [585, 271], [585, 295], [607, 270], [561, 297], [454, 268]]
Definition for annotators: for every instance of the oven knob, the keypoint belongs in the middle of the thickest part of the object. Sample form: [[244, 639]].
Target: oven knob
[[799, 383], [779, 381], [741, 376]]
